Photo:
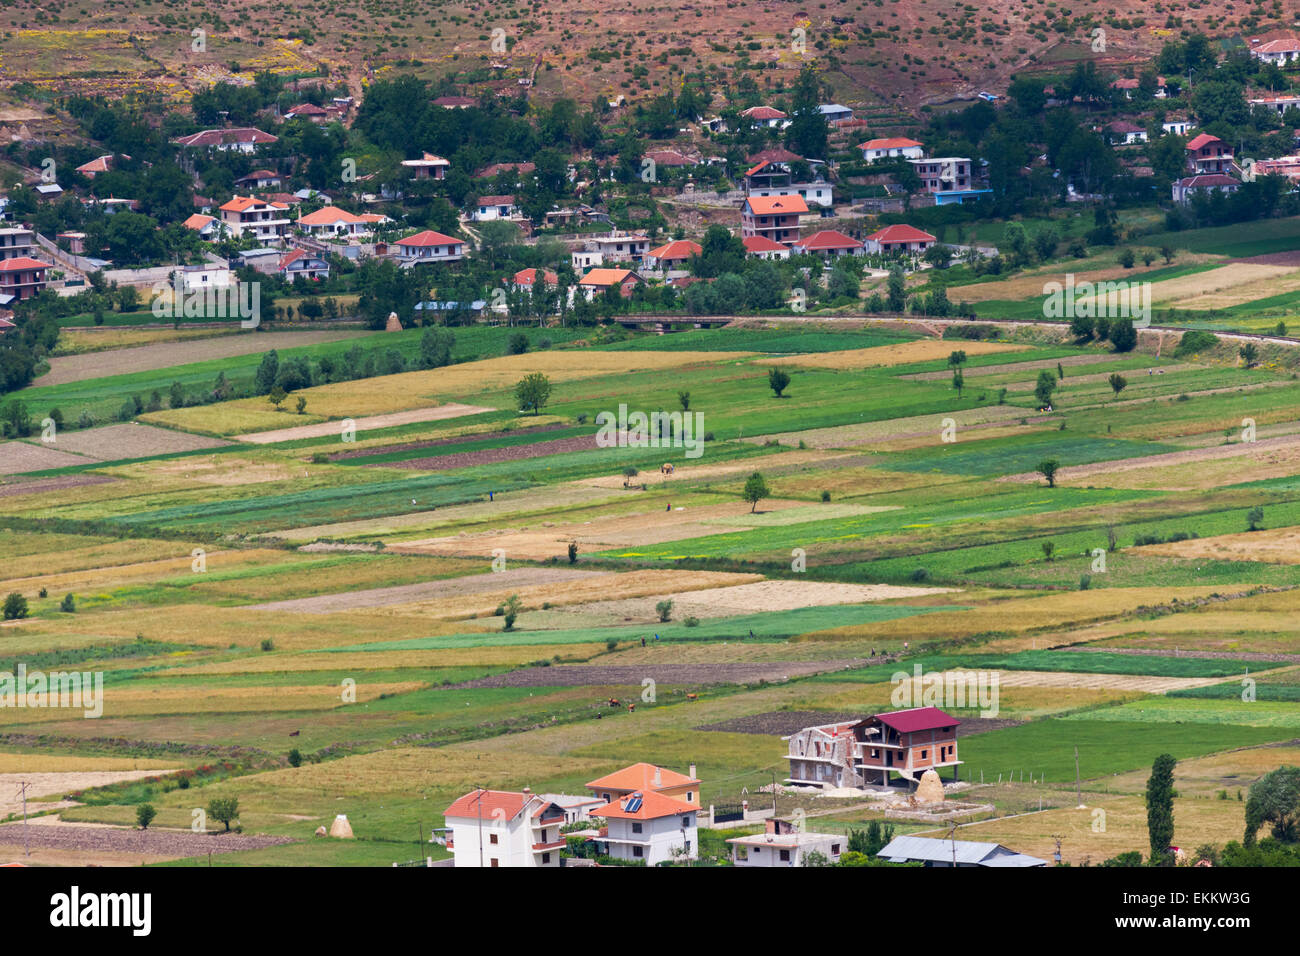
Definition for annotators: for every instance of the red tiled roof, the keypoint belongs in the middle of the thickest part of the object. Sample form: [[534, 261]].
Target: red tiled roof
[[217, 137], [602, 278], [919, 718], [762, 244], [22, 264], [430, 238], [901, 233], [496, 200], [784, 204], [489, 171], [198, 221], [527, 277], [891, 142], [652, 806], [640, 776], [828, 239], [1208, 179], [244, 203], [762, 113], [1202, 140], [487, 802], [677, 249]]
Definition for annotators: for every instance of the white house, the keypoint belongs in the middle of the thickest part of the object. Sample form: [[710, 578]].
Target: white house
[[203, 277], [760, 247], [765, 116], [1179, 126], [620, 247], [783, 844], [899, 238], [1279, 104], [241, 140], [891, 147], [650, 827], [248, 215], [503, 828], [430, 246], [428, 166], [333, 221], [584, 259], [1278, 52], [1186, 188], [834, 112], [489, 208]]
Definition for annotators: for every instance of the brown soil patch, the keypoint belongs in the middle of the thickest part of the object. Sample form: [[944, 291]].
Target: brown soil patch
[[1070, 361], [9, 489], [1150, 685], [143, 845], [685, 471], [1271, 546], [132, 440], [431, 590], [488, 456], [631, 530], [368, 423], [435, 443], [51, 787], [17, 457], [782, 723], [903, 353], [77, 368]]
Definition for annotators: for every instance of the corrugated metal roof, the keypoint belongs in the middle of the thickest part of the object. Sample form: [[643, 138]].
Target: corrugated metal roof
[[904, 848]]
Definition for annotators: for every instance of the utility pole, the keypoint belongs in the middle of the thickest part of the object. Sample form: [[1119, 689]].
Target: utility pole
[[27, 847], [952, 841], [773, 794], [480, 827]]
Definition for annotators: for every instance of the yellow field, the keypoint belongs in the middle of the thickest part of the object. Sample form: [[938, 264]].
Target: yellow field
[[74, 341], [396, 393], [58, 763], [1226, 286], [486, 655], [1272, 545], [904, 353]]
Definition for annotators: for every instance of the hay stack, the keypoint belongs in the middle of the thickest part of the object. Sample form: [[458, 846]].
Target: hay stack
[[394, 323], [930, 789], [340, 829]]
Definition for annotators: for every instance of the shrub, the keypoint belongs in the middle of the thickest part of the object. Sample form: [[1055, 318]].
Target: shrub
[[1085, 582], [268, 644], [665, 610], [1195, 340], [295, 757], [68, 604], [920, 574], [692, 621], [512, 608], [573, 552], [15, 606], [826, 495], [778, 379]]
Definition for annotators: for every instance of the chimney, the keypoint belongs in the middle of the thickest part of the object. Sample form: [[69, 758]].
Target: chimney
[[691, 774], [659, 778], [528, 791]]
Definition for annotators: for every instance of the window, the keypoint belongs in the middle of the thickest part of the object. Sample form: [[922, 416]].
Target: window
[[494, 862], [492, 838], [686, 821], [636, 827], [785, 856], [546, 858], [835, 849], [923, 754], [690, 796], [638, 851]]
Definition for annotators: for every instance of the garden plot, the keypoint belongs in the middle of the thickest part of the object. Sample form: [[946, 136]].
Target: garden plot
[[601, 534], [789, 516], [852, 436], [46, 485], [131, 440], [686, 471], [751, 598], [1229, 285], [904, 353], [453, 588], [19, 457], [1102, 472], [1075, 680], [979, 371], [368, 423], [1271, 545], [46, 788]]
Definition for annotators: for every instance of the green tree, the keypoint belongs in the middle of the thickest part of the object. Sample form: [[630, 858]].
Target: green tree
[[15, 606], [1117, 383], [778, 379], [512, 608], [1160, 808], [1275, 799], [1044, 387], [224, 810], [264, 378], [277, 397], [69, 604], [1123, 336], [144, 815], [665, 611], [896, 288], [1048, 468], [755, 490], [295, 757], [1249, 354], [1254, 518], [533, 391]]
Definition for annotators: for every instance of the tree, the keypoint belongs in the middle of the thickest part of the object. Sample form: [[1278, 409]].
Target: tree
[[264, 379], [1275, 799], [15, 606], [665, 611], [295, 757], [755, 490], [939, 255], [277, 397], [1117, 383], [144, 815], [1126, 258], [807, 133], [1048, 468], [533, 391], [778, 379], [435, 348], [224, 810], [573, 552], [896, 287], [517, 344], [1167, 251], [956, 358], [684, 399], [628, 474], [69, 604], [512, 608], [871, 840], [1044, 387], [1049, 548], [1249, 354], [301, 405], [958, 381], [1160, 808], [1123, 336], [1254, 518]]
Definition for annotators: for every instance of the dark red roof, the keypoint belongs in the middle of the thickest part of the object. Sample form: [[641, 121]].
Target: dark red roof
[[919, 718]]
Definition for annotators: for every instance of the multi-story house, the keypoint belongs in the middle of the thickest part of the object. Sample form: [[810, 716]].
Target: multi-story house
[[250, 216], [772, 217], [1208, 154], [21, 278], [16, 243], [890, 147], [943, 173], [650, 827], [430, 246], [860, 753], [774, 175], [505, 828], [641, 777]]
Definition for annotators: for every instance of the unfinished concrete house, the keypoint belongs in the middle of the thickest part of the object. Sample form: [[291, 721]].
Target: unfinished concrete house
[[877, 751]]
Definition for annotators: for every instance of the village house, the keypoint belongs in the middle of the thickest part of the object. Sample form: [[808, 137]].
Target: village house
[[1178, 125], [772, 217], [620, 247], [428, 166], [489, 208], [673, 255], [333, 221], [1285, 166], [250, 216], [890, 148], [861, 753], [783, 844], [1130, 85], [765, 116], [430, 246], [264, 260], [576, 808], [495, 828], [310, 112], [529, 279], [101, 164], [16, 243], [208, 227], [258, 179], [496, 169], [599, 280], [774, 175], [1278, 52], [74, 242], [1125, 133], [835, 112], [1208, 154], [1278, 104], [647, 777], [932, 852], [648, 826], [670, 158], [21, 278], [899, 239], [1185, 189], [201, 278], [829, 244], [760, 247], [241, 140], [454, 102], [301, 263]]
